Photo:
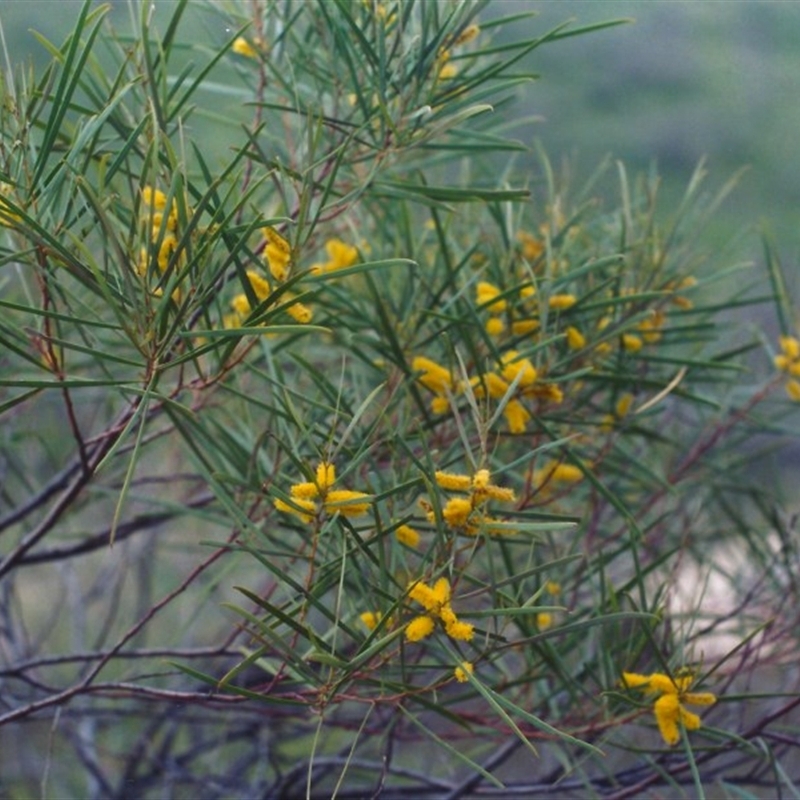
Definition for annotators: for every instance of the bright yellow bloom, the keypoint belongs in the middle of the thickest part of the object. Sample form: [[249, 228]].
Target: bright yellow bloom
[[436, 601], [438, 379], [486, 294], [457, 512], [544, 620], [623, 405], [326, 475], [154, 198], [668, 708], [788, 361], [561, 302], [517, 416], [371, 619], [277, 254], [340, 255], [419, 628], [406, 535], [523, 327], [242, 47], [793, 389], [347, 502], [463, 670], [453, 483], [514, 366], [553, 587], [631, 342], [650, 328], [495, 326], [306, 497], [575, 339]]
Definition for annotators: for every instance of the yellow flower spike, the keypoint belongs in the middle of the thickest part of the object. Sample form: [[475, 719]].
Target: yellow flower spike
[[517, 416], [441, 593], [304, 509], [524, 326], [457, 511], [553, 587], [168, 246], [461, 631], [433, 377], [544, 620], [371, 619], [495, 385], [326, 476], [495, 326], [463, 670], [575, 339], [340, 255], [623, 405], [348, 503], [419, 628], [514, 365], [154, 198], [526, 292], [241, 305], [669, 707], [305, 490], [242, 47], [486, 293], [453, 483], [440, 405], [561, 302], [260, 286], [406, 535], [631, 342], [277, 254], [300, 313]]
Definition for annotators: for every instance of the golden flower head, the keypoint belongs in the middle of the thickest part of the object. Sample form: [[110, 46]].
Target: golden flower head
[[669, 707]]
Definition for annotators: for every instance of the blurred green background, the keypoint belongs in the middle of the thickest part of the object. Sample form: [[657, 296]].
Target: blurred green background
[[684, 80]]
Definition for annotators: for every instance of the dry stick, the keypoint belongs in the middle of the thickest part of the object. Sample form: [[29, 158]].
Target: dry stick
[[71, 492], [85, 685]]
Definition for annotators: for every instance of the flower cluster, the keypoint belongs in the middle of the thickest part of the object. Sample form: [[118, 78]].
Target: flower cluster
[[436, 602], [309, 498], [161, 219], [340, 255], [668, 708], [468, 515], [788, 361], [277, 254]]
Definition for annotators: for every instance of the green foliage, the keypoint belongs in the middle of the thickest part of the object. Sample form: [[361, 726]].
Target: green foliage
[[407, 460]]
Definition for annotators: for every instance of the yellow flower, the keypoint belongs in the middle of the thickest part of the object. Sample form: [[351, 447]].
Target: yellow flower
[[436, 601], [277, 254], [561, 302], [544, 620], [340, 255], [515, 366], [154, 197], [371, 619], [575, 339], [406, 535], [495, 326], [463, 670], [517, 416], [419, 628], [436, 378], [631, 342], [553, 587], [523, 327], [304, 494], [557, 473], [242, 47], [466, 514], [669, 707], [486, 294]]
